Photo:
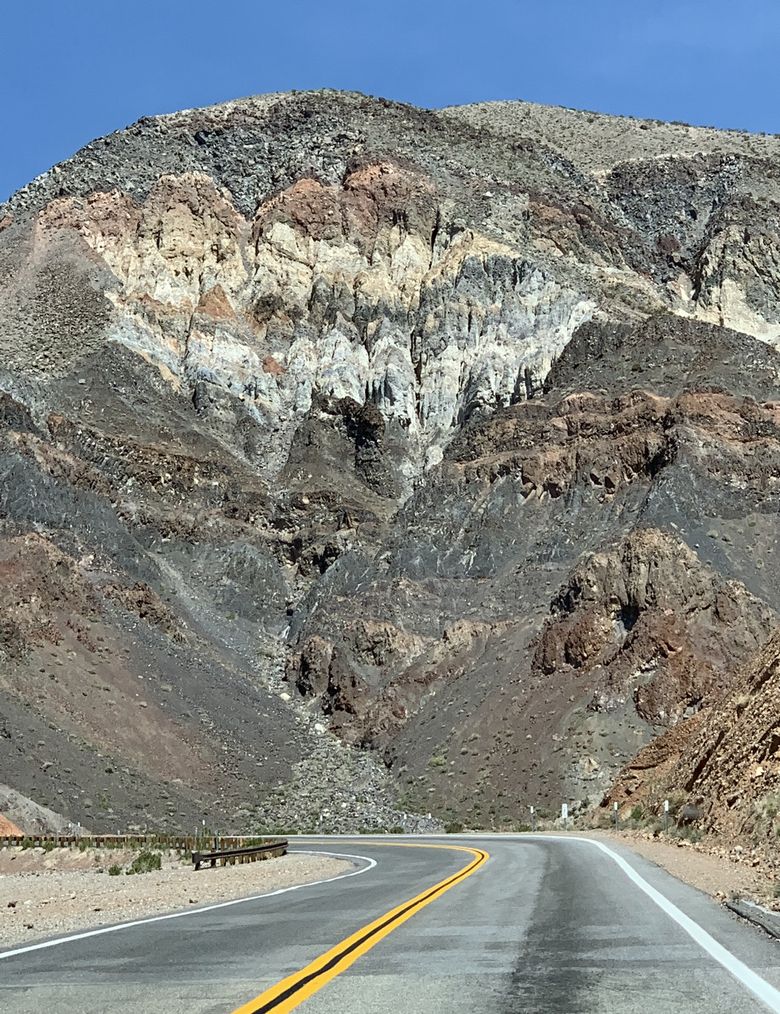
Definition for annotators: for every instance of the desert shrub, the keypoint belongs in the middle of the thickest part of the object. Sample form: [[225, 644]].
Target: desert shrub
[[688, 833], [145, 862], [453, 827], [115, 870], [768, 806]]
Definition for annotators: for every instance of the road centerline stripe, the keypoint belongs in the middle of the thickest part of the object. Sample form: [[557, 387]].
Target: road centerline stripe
[[291, 991]]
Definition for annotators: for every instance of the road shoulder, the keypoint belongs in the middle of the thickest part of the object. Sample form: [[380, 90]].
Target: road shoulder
[[719, 876], [52, 898]]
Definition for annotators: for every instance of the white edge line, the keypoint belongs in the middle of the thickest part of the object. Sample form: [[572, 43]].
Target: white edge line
[[765, 992], [370, 864]]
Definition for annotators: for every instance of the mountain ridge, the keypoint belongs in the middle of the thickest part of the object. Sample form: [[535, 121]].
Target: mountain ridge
[[333, 410]]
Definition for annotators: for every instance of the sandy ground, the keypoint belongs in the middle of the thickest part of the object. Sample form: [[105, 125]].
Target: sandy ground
[[716, 871], [62, 891]]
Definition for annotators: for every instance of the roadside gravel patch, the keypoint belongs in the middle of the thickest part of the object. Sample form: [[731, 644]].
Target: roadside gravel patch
[[45, 900], [717, 875]]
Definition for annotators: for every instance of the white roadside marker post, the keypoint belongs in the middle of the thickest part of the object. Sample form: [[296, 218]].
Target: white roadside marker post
[[565, 814], [666, 815], [617, 818], [533, 818]]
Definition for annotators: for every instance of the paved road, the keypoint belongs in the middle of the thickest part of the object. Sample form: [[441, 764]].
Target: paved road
[[542, 927]]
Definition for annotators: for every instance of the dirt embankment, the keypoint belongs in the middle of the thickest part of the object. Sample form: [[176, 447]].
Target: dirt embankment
[[49, 893]]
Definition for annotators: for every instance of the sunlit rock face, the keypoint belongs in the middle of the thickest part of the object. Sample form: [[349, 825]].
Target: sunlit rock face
[[451, 433], [363, 289]]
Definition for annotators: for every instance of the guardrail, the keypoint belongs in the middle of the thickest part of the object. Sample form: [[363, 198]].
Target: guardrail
[[247, 854], [181, 843]]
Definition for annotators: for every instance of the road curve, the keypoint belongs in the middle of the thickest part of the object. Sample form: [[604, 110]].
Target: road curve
[[542, 926]]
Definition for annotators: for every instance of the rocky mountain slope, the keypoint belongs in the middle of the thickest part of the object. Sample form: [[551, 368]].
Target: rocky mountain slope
[[359, 460], [725, 763]]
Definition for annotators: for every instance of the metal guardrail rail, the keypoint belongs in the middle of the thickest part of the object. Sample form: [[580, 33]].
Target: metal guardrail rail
[[247, 854], [179, 842]]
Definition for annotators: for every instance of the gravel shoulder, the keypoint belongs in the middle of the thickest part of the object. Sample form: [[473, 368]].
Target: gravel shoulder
[[718, 871], [64, 891]]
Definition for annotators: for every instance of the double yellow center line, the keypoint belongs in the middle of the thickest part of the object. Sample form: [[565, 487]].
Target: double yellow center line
[[290, 992]]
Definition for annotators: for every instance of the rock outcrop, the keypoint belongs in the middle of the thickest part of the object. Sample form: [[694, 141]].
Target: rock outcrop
[[730, 768], [339, 432], [726, 764]]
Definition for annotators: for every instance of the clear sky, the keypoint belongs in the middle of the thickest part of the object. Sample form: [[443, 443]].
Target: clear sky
[[72, 70]]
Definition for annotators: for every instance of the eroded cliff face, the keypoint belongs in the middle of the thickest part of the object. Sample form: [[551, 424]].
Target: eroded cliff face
[[373, 285], [583, 571], [363, 290], [730, 767], [420, 428], [726, 763]]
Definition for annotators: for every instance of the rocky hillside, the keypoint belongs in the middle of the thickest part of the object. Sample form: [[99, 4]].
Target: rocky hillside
[[726, 763], [358, 460]]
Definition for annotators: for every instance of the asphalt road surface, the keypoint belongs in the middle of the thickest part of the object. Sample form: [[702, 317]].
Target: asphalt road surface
[[540, 926]]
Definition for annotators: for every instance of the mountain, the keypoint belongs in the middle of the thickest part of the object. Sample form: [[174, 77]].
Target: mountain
[[360, 461]]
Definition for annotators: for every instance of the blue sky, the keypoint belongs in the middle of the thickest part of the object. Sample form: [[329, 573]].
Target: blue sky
[[72, 70]]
